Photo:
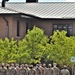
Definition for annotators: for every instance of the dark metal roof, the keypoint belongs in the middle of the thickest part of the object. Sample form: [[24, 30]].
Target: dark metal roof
[[45, 10]]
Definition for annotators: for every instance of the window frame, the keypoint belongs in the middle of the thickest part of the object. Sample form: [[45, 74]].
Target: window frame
[[18, 28], [67, 28]]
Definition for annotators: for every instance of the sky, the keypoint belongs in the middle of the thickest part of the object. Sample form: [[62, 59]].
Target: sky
[[43, 0]]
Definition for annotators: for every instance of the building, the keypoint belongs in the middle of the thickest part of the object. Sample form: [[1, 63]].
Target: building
[[17, 18]]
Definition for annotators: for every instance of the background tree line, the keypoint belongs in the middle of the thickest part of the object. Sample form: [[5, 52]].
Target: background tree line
[[36, 45]]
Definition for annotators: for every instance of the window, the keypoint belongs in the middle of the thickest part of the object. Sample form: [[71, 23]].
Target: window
[[26, 27], [66, 27], [29, 25], [18, 29]]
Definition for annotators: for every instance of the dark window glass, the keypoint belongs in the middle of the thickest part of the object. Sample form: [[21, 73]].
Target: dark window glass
[[59, 27], [66, 27], [55, 26], [26, 27], [18, 29], [70, 30]]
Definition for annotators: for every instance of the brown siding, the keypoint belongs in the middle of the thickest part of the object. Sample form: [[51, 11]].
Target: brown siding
[[2, 28], [13, 27], [10, 23], [74, 28], [47, 25], [22, 27]]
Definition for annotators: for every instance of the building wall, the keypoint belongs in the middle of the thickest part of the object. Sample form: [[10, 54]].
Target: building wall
[[12, 24], [46, 25], [2, 27], [22, 24], [74, 27]]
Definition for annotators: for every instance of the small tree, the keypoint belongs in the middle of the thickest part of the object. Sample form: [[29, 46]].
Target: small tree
[[61, 48], [33, 45], [7, 50]]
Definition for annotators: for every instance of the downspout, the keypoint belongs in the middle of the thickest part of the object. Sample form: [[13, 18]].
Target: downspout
[[7, 27]]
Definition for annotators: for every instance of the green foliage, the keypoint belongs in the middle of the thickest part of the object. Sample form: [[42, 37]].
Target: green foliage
[[22, 54], [28, 50], [36, 45], [7, 50], [61, 48], [32, 45]]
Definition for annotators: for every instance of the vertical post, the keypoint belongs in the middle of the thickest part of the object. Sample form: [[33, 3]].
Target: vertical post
[[72, 60], [72, 69]]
